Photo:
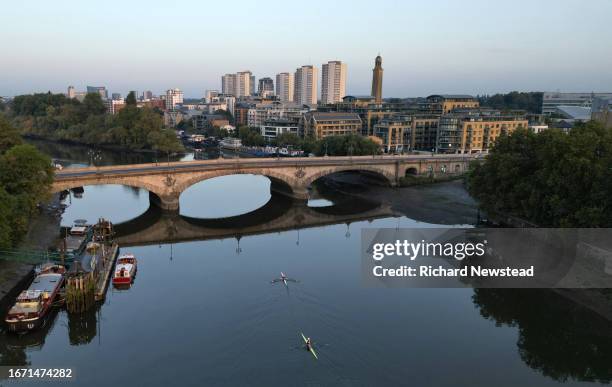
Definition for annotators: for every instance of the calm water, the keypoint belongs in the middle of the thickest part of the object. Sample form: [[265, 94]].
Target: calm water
[[203, 311]]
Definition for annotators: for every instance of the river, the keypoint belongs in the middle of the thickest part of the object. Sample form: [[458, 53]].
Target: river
[[202, 310]]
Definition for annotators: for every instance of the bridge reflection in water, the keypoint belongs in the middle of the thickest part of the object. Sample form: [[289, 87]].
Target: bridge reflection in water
[[280, 213]]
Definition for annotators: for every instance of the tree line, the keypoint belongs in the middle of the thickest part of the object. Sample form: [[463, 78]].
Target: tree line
[[530, 101], [552, 179], [56, 117], [25, 177]]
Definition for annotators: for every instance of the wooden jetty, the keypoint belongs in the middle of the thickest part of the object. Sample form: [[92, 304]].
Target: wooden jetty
[[106, 270]]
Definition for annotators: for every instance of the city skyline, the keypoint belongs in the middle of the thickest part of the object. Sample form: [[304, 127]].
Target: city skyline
[[425, 56]]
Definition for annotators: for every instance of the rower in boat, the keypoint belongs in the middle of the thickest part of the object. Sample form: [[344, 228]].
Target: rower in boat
[[284, 279]]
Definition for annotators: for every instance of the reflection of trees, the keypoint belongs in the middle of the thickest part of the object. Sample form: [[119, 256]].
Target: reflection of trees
[[82, 328], [557, 337]]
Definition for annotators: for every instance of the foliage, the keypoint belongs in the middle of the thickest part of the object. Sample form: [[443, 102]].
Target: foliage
[[552, 179], [131, 99], [350, 145], [55, 117], [25, 178], [531, 102], [251, 136]]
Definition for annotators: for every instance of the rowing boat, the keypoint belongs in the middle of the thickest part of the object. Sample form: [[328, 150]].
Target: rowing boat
[[310, 348], [284, 278]]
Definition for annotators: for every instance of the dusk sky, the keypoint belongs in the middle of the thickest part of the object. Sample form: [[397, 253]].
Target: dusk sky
[[442, 46]]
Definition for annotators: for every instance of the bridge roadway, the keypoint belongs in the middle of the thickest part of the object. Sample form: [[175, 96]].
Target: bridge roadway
[[291, 176]]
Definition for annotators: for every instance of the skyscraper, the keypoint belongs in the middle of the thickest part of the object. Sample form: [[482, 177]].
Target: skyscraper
[[71, 92], [173, 97], [228, 84], [333, 82], [266, 87], [285, 87], [306, 79], [377, 80], [244, 80]]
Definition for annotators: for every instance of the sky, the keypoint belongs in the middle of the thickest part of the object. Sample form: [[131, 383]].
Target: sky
[[428, 47]]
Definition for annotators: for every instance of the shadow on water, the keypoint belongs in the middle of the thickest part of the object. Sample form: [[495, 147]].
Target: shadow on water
[[559, 338]]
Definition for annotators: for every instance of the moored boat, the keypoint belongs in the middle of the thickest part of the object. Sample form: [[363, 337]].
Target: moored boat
[[34, 304], [125, 270]]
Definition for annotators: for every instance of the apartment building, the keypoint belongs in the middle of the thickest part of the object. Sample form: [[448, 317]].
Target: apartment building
[[333, 82], [324, 124]]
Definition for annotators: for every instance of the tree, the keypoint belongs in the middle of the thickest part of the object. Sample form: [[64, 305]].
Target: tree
[[9, 136], [131, 99], [93, 104], [552, 178]]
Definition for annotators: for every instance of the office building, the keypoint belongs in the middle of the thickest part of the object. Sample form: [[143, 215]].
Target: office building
[[377, 80], [285, 87], [324, 124], [333, 82], [71, 92], [266, 87], [174, 97], [99, 90], [273, 128], [306, 79]]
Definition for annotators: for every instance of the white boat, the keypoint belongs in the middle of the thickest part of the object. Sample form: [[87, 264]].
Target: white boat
[[125, 270], [231, 143]]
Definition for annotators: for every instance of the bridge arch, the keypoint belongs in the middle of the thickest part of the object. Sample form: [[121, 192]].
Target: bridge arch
[[387, 174], [274, 176], [126, 181]]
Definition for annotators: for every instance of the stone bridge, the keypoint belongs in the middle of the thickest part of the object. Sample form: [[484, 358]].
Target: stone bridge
[[291, 176]]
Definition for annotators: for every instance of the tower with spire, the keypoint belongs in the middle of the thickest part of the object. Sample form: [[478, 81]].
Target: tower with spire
[[377, 79]]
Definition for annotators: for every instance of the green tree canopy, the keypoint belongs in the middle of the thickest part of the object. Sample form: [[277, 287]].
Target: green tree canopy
[[9, 136]]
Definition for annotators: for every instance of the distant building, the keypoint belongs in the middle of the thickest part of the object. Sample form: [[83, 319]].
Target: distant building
[[266, 87], [551, 100], [116, 96], [306, 79], [471, 131], [113, 106], [573, 113], [537, 128], [601, 111], [206, 121], [71, 92], [377, 80], [210, 94], [446, 103], [285, 87], [273, 128], [99, 90], [394, 133], [324, 124], [261, 112], [147, 95], [172, 118], [333, 82], [228, 84], [174, 97]]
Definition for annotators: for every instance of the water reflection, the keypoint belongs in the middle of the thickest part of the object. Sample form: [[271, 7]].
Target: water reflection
[[560, 338]]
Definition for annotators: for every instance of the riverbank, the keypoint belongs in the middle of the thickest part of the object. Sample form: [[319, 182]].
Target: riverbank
[[43, 233]]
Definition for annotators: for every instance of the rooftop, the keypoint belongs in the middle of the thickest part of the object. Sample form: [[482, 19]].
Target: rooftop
[[334, 116]]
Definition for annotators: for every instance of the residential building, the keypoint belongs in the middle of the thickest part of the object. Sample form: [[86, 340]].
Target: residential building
[[210, 94], [172, 118], [377, 80], [174, 97], [252, 83], [394, 133], [206, 121], [324, 124], [147, 95], [306, 79], [266, 87], [275, 127], [241, 112], [471, 131], [135, 94], [113, 106], [446, 103], [285, 87], [116, 96], [333, 82], [423, 132], [99, 90], [71, 92], [261, 112], [551, 100], [228, 84]]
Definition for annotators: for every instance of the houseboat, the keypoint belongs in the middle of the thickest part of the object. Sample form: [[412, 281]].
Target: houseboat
[[34, 304], [125, 270], [230, 143]]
